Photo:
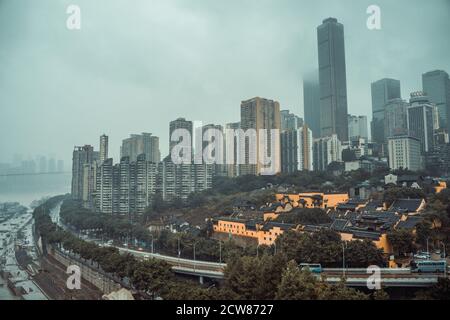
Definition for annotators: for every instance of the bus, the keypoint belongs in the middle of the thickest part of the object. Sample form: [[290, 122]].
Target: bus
[[312, 267], [429, 266]]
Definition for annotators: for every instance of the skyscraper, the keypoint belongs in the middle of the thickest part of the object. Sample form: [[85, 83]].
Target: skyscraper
[[421, 120], [81, 156], [232, 143], [104, 187], [103, 148], [395, 114], [357, 127], [325, 151], [332, 79], [290, 121], [311, 102], [382, 91], [296, 150], [259, 113], [180, 123], [436, 85], [138, 144]]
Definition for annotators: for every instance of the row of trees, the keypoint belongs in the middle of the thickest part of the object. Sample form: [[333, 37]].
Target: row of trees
[[153, 278], [327, 248]]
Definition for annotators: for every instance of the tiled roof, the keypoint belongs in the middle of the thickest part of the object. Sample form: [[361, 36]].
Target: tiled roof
[[409, 223], [407, 205]]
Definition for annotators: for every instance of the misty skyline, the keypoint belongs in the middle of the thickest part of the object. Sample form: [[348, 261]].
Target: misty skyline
[[135, 66]]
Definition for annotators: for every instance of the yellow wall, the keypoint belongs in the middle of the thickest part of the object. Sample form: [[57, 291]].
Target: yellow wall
[[329, 200], [382, 243], [442, 185], [238, 228]]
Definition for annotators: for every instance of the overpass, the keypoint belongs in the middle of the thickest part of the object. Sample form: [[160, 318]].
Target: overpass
[[354, 277]]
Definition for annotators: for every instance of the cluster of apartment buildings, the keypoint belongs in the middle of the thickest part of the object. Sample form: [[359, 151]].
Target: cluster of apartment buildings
[[131, 185], [409, 135]]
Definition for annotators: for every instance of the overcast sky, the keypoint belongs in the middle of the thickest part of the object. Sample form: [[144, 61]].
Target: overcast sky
[[136, 65]]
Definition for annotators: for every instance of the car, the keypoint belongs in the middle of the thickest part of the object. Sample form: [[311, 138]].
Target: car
[[312, 267], [422, 256]]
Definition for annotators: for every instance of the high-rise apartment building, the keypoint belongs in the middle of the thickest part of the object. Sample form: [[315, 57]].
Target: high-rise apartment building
[[232, 146], [296, 150], [104, 187], [180, 123], [81, 156], [436, 85], [382, 91], [259, 114], [138, 144], [103, 148], [290, 121], [325, 151], [332, 79], [311, 102]]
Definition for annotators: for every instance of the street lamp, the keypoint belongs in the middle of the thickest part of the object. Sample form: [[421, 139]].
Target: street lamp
[[194, 255], [428, 248], [220, 251], [443, 244], [343, 259], [152, 243], [257, 251], [275, 248]]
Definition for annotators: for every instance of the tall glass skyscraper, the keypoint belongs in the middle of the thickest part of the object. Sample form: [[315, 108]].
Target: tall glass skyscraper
[[436, 85], [332, 79], [311, 102], [382, 91]]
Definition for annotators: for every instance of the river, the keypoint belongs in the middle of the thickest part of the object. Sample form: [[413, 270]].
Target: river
[[25, 189]]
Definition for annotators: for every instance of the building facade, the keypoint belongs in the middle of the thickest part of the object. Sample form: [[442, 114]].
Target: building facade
[[311, 102], [436, 85], [259, 113], [103, 148], [405, 153], [325, 151], [421, 120], [296, 150], [357, 127], [395, 118], [382, 91], [138, 144], [81, 156], [332, 79]]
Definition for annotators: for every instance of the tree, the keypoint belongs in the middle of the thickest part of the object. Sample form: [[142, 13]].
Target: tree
[[152, 276], [380, 295], [253, 278], [296, 284], [439, 291], [402, 241], [338, 292]]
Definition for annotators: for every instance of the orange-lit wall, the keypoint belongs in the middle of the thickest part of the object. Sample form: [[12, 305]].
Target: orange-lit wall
[[329, 200], [238, 228]]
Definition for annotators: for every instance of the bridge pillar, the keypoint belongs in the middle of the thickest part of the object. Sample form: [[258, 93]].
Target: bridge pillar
[[201, 279]]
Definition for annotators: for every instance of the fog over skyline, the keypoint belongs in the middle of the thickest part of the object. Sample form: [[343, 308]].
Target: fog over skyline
[[136, 65]]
